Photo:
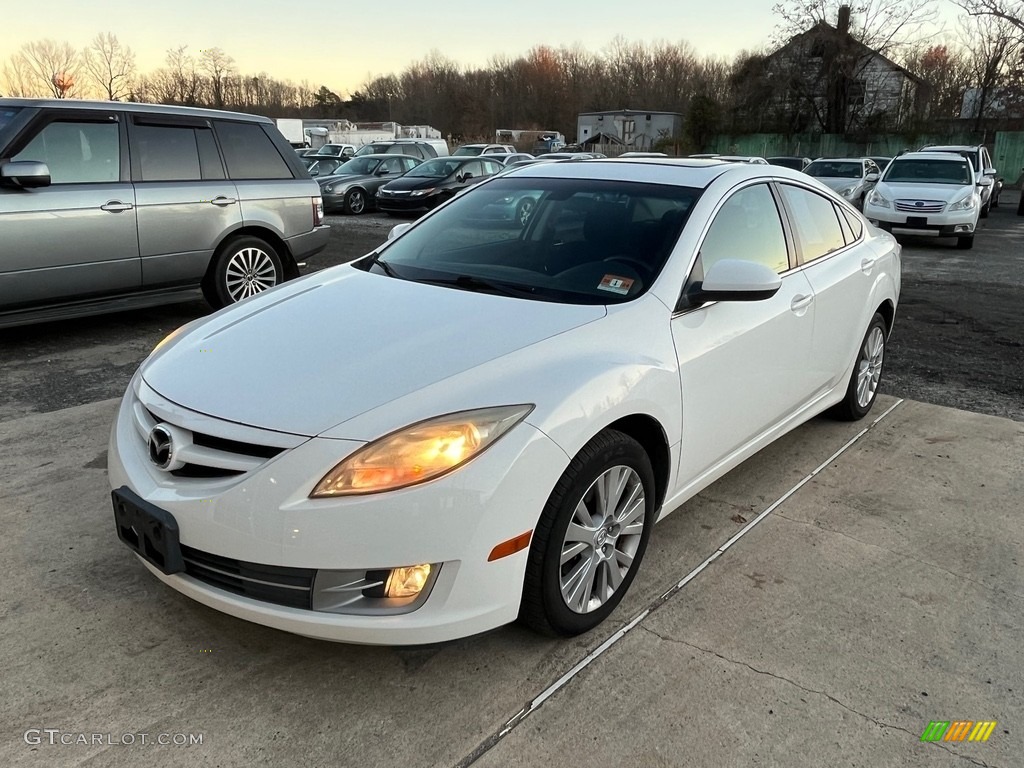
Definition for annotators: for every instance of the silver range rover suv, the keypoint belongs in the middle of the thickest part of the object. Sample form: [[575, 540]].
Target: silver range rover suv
[[107, 206]]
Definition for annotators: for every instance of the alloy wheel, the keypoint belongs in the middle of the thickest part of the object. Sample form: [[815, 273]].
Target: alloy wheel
[[250, 271], [869, 367]]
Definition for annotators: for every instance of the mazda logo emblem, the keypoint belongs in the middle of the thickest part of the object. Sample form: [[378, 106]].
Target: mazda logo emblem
[[161, 446]]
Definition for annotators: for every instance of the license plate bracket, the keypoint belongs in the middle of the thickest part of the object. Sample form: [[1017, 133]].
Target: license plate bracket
[[917, 221], [149, 531]]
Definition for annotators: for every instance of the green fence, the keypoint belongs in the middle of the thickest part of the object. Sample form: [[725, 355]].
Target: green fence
[[1007, 149]]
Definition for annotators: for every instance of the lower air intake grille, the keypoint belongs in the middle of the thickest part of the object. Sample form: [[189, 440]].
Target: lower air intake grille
[[271, 583]]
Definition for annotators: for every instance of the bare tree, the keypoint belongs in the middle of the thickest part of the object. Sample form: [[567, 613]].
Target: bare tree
[[946, 69], [53, 65], [184, 79], [217, 66], [993, 43], [1011, 11], [110, 65], [18, 79]]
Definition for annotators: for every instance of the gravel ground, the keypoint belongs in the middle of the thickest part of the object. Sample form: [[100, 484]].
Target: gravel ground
[[958, 340]]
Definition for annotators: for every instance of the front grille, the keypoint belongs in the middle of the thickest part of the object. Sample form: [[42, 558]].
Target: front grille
[[271, 583], [206, 455], [920, 206]]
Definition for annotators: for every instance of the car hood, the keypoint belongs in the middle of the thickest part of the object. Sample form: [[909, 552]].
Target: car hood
[[344, 178], [415, 182], [900, 190], [318, 351]]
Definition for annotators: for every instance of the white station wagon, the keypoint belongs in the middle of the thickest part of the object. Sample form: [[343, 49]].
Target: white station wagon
[[494, 412]]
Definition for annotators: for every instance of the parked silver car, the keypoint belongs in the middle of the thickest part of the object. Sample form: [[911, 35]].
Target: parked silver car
[[107, 206], [851, 177]]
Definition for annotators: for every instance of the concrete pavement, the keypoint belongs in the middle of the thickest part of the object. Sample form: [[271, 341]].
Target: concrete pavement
[[885, 593]]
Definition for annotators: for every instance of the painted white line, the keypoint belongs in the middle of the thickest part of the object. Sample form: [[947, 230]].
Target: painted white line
[[534, 704]]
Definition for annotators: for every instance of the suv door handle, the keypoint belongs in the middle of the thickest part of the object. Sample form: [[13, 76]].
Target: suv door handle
[[866, 265], [116, 206], [222, 201]]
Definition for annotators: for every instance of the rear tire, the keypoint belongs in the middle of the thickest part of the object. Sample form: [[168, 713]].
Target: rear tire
[[243, 267], [867, 374], [984, 212], [591, 537], [965, 243]]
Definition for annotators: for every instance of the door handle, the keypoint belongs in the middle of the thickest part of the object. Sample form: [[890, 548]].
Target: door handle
[[116, 206], [866, 265], [801, 302], [222, 201]]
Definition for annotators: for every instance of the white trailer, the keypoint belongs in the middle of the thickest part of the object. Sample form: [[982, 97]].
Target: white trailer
[[291, 129]]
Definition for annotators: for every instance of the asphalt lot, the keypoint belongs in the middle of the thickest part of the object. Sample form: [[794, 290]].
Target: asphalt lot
[[882, 593]]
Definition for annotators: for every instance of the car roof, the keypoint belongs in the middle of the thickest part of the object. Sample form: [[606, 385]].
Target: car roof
[[931, 155], [951, 148], [685, 172], [130, 106], [840, 159]]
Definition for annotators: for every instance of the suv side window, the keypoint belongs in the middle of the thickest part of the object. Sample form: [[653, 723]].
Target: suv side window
[[815, 225], [747, 227], [166, 153], [249, 152], [77, 152]]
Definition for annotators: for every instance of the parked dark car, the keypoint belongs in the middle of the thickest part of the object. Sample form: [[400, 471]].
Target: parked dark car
[[321, 166], [428, 185], [353, 187]]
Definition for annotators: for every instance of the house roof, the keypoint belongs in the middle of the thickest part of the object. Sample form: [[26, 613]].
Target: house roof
[[625, 112], [824, 29]]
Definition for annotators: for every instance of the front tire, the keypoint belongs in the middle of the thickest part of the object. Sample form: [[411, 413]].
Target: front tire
[[591, 537], [867, 374], [355, 202], [965, 243], [244, 267]]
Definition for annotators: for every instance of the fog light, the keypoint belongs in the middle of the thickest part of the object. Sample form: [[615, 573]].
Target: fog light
[[407, 581]]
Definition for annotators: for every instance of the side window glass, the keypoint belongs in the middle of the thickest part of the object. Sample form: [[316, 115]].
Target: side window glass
[[814, 222], [249, 152], [854, 223], [844, 225], [166, 153], [747, 227], [77, 153]]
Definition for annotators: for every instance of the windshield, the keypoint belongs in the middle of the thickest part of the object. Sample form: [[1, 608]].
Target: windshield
[[438, 168], [834, 170], [464, 151], [576, 241], [363, 166], [929, 171], [371, 149], [787, 162]]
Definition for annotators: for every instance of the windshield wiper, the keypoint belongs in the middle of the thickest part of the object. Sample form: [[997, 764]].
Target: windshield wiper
[[385, 267], [470, 283]]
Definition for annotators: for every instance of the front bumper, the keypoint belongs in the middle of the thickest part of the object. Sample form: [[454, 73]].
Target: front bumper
[[406, 204], [264, 516], [943, 224]]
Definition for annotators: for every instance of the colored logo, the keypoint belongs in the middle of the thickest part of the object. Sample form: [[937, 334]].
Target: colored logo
[[958, 730]]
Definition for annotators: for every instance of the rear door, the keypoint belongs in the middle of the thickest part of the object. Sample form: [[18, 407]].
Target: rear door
[[186, 204], [77, 237]]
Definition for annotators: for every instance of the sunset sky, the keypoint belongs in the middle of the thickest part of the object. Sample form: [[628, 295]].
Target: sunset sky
[[341, 44]]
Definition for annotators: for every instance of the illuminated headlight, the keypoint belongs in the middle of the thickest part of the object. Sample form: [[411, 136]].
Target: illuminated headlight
[[420, 452], [965, 204], [422, 192], [876, 199], [408, 581]]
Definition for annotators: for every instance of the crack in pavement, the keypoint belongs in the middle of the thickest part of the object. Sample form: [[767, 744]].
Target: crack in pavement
[[936, 566], [797, 685]]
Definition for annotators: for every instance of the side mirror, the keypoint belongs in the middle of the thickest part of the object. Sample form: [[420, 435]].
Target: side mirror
[[871, 177], [25, 173], [399, 229], [466, 177], [989, 172], [733, 280], [986, 181]]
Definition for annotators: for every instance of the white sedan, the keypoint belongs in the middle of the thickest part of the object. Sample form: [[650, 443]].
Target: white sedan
[[482, 420]]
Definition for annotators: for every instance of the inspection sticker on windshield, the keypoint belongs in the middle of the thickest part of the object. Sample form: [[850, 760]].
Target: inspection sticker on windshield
[[615, 284]]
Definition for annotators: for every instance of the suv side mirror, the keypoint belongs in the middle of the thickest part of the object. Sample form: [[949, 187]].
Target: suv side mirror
[[399, 229], [872, 176], [986, 181], [466, 177], [24, 173], [989, 172]]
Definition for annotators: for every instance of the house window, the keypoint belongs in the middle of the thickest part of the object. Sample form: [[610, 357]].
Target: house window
[[855, 93]]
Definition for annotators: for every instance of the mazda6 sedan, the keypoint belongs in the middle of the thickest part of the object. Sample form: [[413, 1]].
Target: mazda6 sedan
[[484, 420]]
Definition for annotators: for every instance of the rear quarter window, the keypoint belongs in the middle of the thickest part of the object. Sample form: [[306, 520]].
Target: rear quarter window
[[249, 152]]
